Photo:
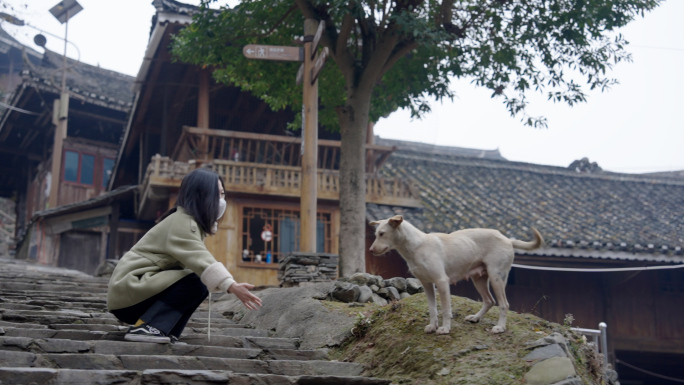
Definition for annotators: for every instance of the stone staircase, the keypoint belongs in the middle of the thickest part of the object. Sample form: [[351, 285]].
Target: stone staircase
[[55, 329]]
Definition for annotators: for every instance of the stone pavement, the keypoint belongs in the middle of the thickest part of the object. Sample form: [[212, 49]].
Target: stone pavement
[[55, 329]]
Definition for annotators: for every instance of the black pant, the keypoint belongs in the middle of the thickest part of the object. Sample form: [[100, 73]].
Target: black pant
[[170, 310]]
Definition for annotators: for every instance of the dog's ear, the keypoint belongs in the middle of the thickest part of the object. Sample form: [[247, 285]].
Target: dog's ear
[[395, 221], [374, 223]]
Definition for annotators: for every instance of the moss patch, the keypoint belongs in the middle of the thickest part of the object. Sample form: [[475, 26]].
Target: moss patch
[[390, 341]]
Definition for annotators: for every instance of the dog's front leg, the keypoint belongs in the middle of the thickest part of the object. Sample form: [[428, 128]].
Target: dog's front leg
[[432, 306], [445, 299]]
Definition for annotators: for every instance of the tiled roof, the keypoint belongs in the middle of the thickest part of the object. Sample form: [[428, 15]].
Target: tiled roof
[[92, 84], [601, 214], [424, 148], [175, 7], [120, 193]]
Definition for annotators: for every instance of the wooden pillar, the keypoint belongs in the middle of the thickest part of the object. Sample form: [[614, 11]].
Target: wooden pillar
[[309, 197], [60, 116], [164, 136], [203, 111], [113, 232]]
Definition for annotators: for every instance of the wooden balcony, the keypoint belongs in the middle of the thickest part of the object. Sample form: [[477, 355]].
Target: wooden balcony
[[164, 174], [206, 145]]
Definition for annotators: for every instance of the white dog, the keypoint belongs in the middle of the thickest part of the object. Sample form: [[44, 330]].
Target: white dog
[[484, 255]]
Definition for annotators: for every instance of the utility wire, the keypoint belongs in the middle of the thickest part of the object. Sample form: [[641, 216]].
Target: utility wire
[[597, 270], [647, 372]]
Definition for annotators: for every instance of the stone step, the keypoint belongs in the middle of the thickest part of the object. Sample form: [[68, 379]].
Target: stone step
[[176, 376], [105, 347], [186, 362], [91, 327], [59, 295], [79, 335], [84, 332], [53, 305], [65, 283], [215, 323], [72, 289], [235, 332], [86, 342], [23, 325]]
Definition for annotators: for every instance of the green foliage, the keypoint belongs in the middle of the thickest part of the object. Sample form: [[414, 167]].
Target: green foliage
[[405, 52]]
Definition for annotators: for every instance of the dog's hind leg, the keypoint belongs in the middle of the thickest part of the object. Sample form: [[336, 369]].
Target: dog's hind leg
[[482, 286], [445, 300], [498, 282], [432, 306]]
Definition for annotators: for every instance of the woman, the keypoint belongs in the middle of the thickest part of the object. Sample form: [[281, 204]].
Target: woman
[[158, 284]]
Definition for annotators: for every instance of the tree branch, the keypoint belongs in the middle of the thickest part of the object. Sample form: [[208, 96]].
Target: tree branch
[[383, 50], [341, 49], [400, 51]]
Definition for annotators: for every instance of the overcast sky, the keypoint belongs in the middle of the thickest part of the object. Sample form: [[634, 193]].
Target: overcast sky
[[635, 127]]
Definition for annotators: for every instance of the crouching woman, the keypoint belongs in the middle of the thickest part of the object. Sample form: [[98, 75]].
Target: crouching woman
[[158, 284]]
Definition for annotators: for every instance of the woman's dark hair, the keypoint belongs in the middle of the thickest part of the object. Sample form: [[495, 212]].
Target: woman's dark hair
[[199, 196]]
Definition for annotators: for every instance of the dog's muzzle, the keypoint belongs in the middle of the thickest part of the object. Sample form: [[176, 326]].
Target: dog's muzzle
[[381, 253]]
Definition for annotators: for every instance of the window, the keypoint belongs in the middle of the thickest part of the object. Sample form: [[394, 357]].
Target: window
[[107, 166], [284, 228], [79, 168], [71, 166], [671, 281]]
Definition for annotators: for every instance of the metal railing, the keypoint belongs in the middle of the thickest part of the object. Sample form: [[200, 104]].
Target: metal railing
[[600, 339]]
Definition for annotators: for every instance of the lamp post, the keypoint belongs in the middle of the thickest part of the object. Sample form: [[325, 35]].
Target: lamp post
[[63, 12]]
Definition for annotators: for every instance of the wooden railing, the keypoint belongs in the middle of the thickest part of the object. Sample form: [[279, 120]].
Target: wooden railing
[[270, 179], [207, 145]]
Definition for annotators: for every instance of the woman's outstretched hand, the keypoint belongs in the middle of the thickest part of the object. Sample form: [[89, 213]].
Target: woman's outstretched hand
[[241, 291]]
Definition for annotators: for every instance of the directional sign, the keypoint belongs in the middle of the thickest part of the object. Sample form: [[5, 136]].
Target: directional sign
[[317, 38], [300, 76], [318, 65], [273, 52]]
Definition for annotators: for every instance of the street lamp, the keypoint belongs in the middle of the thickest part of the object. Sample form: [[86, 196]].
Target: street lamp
[[63, 11]]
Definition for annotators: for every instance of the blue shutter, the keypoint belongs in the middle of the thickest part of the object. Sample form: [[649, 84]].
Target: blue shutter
[[286, 238], [320, 237]]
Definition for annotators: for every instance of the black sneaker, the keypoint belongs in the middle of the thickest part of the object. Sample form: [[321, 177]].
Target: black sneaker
[[146, 333]]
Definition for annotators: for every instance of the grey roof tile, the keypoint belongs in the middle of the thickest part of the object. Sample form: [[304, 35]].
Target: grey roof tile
[[577, 210]]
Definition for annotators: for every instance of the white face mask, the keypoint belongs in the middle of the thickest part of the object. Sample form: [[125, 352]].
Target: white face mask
[[221, 208]]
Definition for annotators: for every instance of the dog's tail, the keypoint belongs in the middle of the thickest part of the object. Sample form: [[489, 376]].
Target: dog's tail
[[531, 245]]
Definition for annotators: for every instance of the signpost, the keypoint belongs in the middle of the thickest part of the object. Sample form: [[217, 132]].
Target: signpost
[[273, 52], [308, 76]]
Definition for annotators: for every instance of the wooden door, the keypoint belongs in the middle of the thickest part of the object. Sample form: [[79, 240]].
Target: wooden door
[[80, 250]]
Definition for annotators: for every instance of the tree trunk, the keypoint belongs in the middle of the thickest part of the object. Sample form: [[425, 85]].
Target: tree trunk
[[353, 118]]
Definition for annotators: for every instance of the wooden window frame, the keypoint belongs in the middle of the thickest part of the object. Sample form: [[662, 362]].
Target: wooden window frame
[[321, 211], [102, 168], [96, 160]]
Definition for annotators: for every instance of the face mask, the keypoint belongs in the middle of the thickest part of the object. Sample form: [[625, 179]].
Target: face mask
[[221, 208]]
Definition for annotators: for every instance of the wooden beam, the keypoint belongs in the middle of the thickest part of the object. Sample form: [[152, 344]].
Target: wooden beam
[[274, 138], [98, 117]]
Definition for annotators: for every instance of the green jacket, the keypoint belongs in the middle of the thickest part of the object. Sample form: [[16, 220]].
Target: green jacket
[[168, 252]]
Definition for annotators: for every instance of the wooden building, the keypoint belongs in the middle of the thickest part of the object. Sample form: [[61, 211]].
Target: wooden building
[[182, 120], [590, 219], [100, 101]]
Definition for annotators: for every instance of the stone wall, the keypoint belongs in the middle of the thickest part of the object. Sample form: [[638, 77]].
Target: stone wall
[[7, 222], [298, 268]]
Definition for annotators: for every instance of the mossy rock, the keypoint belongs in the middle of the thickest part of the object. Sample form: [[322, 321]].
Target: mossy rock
[[390, 341]]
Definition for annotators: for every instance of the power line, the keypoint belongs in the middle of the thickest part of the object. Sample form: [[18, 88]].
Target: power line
[[597, 270], [647, 372]]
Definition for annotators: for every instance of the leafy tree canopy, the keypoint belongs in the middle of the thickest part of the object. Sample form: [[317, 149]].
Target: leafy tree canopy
[[508, 46]]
